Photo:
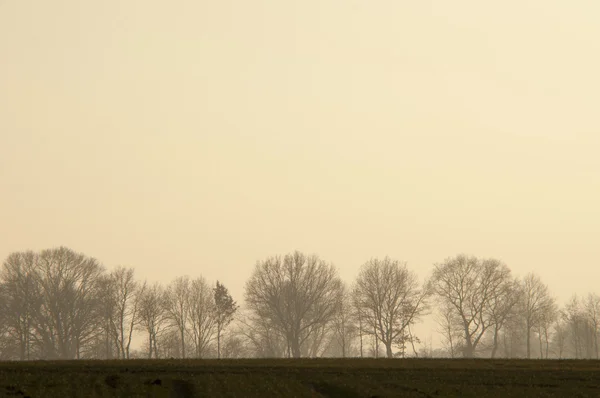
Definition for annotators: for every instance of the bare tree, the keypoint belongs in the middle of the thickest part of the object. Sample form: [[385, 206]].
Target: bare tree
[[581, 334], [298, 294], [468, 286], [201, 315], [537, 303], [177, 307], [107, 314], [22, 299], [591, 307], [544, 325], [152, 316], [449, 328], [574, 318], [225, 308], [316, 344], [359, 317], [344, 326], [169, 344], [502, 306], [560, 339], [390, 298], [265, 340], [233, 346], [68, 315], [127, 292], [4, 339]]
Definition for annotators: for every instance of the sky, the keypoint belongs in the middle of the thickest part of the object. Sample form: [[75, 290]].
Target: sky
[[198, 137]]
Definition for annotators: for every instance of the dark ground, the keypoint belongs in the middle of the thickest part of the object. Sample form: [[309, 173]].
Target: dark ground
[[301, 378]]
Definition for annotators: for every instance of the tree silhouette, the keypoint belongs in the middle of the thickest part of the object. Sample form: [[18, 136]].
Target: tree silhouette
[[225, 308]]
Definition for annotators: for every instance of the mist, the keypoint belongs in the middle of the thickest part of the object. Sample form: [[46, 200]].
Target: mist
[[199, 138]]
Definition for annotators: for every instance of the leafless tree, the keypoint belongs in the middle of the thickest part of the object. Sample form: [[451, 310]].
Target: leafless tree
[[561, 333], [262, 336], [233, 346], [68, 315], [575, 321], [316, 344], [450, 329], [152, 316], [591, 308], [468, 285], [502, 306], [4, 324], [298, 294], [22, 299], [344, 328], [177, 306], [544, 327], [202, 315], [537, 304], [169, 344], [359, 316], [126, 295], [106, 346], [581, 330], [390, 298], [12, 342]]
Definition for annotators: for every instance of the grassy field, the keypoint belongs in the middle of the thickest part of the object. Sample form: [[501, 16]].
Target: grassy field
[[301, 378]]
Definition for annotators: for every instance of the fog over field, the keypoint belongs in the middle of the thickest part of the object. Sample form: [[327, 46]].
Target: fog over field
[[201, 137]]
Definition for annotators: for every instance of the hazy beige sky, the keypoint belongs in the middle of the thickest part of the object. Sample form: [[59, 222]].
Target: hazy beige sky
[[196, 137]]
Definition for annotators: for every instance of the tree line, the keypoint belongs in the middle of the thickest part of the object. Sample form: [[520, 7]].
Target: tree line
[[60, 304]]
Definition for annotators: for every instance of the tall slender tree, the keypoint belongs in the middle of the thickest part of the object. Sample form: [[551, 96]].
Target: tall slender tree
[[177, 307], [126, 295], [225, 308], [591, 307], [537, 303], [344, 325], [152, 316], [201, 315]]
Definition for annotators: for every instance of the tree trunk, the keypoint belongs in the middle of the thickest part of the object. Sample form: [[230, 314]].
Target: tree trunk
[[376, 344], [596, 338], [468, 349], [107, 344], [361, 336], [451, 341], [343, 338], [22, 348], [218, 342], [547, 341], [28, 337], [495, 345], [528, 338], [182, 343], [154, 338], [122, 340], [388, 350], [296, 348]]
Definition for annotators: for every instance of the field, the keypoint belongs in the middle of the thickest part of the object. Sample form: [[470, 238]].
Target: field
[[301, 378]]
